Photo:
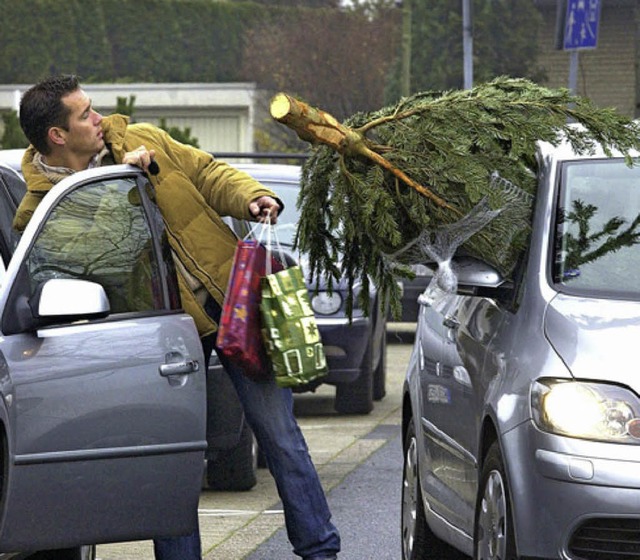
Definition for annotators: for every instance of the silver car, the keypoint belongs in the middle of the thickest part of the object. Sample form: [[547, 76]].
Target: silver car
[[521, 413], [102, 384]]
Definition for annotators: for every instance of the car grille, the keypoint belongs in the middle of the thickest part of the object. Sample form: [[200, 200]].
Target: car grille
[[606, 539]]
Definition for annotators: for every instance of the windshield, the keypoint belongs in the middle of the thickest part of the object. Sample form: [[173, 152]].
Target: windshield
[[598, 229]]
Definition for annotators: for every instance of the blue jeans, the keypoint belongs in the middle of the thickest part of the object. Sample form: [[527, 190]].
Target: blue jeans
[[269, 411]]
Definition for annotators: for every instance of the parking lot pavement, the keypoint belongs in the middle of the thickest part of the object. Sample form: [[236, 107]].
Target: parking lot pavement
[[232, 524]]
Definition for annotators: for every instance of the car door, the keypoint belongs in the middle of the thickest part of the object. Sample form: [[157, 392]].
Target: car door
[[470, 327], [441, 393], [102, 384]]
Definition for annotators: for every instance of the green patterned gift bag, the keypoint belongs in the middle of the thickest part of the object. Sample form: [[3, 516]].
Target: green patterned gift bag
[[289, 329]]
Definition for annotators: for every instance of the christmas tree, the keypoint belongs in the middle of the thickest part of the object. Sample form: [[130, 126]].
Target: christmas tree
[[436, 173]]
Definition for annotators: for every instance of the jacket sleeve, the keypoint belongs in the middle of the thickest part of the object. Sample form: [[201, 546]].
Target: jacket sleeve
[[26, 208], [226, 189]]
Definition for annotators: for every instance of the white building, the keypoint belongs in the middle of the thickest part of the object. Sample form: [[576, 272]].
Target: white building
[[220, 116]]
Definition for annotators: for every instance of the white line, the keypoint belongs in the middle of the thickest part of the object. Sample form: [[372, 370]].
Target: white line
[[236, 512]]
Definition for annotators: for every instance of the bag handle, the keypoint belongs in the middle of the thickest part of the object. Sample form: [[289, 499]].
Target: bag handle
[[271, 239], [271, 232]]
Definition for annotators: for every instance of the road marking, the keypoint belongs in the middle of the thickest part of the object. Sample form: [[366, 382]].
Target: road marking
[[237, 512]]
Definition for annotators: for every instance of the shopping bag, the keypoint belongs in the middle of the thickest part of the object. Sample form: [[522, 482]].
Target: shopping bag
[[239, 332], [290, 330]]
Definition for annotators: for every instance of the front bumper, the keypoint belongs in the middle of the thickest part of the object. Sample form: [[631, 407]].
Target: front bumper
[[573, 499], [344, 346]]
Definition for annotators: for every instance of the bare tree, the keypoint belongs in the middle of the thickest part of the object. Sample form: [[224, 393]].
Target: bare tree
[[337, 59]]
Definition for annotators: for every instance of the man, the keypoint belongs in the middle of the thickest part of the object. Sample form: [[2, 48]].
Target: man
[[192, 191]]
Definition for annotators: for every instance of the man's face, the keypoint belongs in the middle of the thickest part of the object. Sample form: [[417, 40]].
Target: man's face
[[84, 134]]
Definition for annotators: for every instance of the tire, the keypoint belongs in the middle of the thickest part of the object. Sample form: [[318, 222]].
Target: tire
[[493, 533], [77, 553], [234, 469], [380, 373], [357, 397], [417, 539]]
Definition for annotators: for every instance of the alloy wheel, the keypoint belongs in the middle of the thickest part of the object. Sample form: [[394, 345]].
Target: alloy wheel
[[410, 499], [492, 520]]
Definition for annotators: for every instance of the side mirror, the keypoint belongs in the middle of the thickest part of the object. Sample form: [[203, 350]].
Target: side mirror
[[473, 273], [474, 277], [56, 301], [67, 299]]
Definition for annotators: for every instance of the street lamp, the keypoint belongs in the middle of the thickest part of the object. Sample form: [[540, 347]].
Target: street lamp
[[467, 44], [405, 63]]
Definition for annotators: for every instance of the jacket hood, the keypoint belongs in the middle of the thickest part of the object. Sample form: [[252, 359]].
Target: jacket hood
[[114, 128]]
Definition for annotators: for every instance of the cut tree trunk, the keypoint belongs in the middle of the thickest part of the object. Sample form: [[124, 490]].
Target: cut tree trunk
[[318, 127]]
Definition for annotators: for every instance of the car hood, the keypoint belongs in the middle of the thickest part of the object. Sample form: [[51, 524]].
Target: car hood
[[596, 338]]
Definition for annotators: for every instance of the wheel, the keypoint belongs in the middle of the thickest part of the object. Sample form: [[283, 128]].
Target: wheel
[[493, 535], [413, 523], [380, 373], [418, 541], [234, 469], [78, 553], [357, 397]]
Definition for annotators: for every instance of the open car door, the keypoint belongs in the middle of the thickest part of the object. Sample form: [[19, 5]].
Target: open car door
[[102, 381]]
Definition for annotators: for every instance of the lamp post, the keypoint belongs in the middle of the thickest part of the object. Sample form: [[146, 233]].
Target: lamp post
[[405, 65], [467, 44]]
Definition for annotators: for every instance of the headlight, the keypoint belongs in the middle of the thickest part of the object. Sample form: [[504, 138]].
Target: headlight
[[325, 303], [595, 411]]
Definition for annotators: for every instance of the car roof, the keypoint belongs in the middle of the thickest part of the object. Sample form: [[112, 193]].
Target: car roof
[[271, 171], [564, 152], [12, 158]]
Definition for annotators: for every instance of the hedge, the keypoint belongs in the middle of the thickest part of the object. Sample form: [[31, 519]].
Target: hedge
[[127, 40]]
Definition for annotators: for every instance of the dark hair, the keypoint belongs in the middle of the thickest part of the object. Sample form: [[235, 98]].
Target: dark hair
[[41, 107]]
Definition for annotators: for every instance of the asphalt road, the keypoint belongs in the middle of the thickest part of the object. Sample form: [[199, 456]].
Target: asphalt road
[[359, 461], [365, 507]]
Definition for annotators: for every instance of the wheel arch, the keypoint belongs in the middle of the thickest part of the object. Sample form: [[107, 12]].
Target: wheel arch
[[407, 413], [4, 454], [488, 435]]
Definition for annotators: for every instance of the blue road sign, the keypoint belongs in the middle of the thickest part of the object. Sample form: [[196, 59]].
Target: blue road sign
[[581, 24]]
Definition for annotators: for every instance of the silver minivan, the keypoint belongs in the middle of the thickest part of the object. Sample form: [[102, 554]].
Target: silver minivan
[[102, 381], [521, 411]]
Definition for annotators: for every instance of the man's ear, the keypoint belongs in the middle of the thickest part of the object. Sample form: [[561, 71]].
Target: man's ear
[[57, 135]]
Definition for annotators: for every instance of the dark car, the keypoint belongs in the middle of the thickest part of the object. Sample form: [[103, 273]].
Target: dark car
[[412, 288], [355, 349]]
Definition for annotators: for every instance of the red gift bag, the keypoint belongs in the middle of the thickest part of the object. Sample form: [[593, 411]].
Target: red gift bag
[[239, 335]]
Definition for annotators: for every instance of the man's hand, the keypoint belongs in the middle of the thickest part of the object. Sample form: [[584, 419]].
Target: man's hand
[[140, 157], [265, 206]]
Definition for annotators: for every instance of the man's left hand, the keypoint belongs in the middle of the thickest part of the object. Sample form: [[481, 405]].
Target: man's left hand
[[140, 157], [263, 207]]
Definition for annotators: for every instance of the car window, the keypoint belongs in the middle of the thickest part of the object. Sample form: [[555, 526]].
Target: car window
[[99, 232], [597, 249]]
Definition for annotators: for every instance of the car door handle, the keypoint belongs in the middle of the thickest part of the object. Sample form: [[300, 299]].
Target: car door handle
[[451, 322], [179, 368]]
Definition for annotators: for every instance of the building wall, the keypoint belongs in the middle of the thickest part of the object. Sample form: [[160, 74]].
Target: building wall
[[221, 116], [607, 74]]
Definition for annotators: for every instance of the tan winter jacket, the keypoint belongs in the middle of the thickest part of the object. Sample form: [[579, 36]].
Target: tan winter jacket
[[192, 191]]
